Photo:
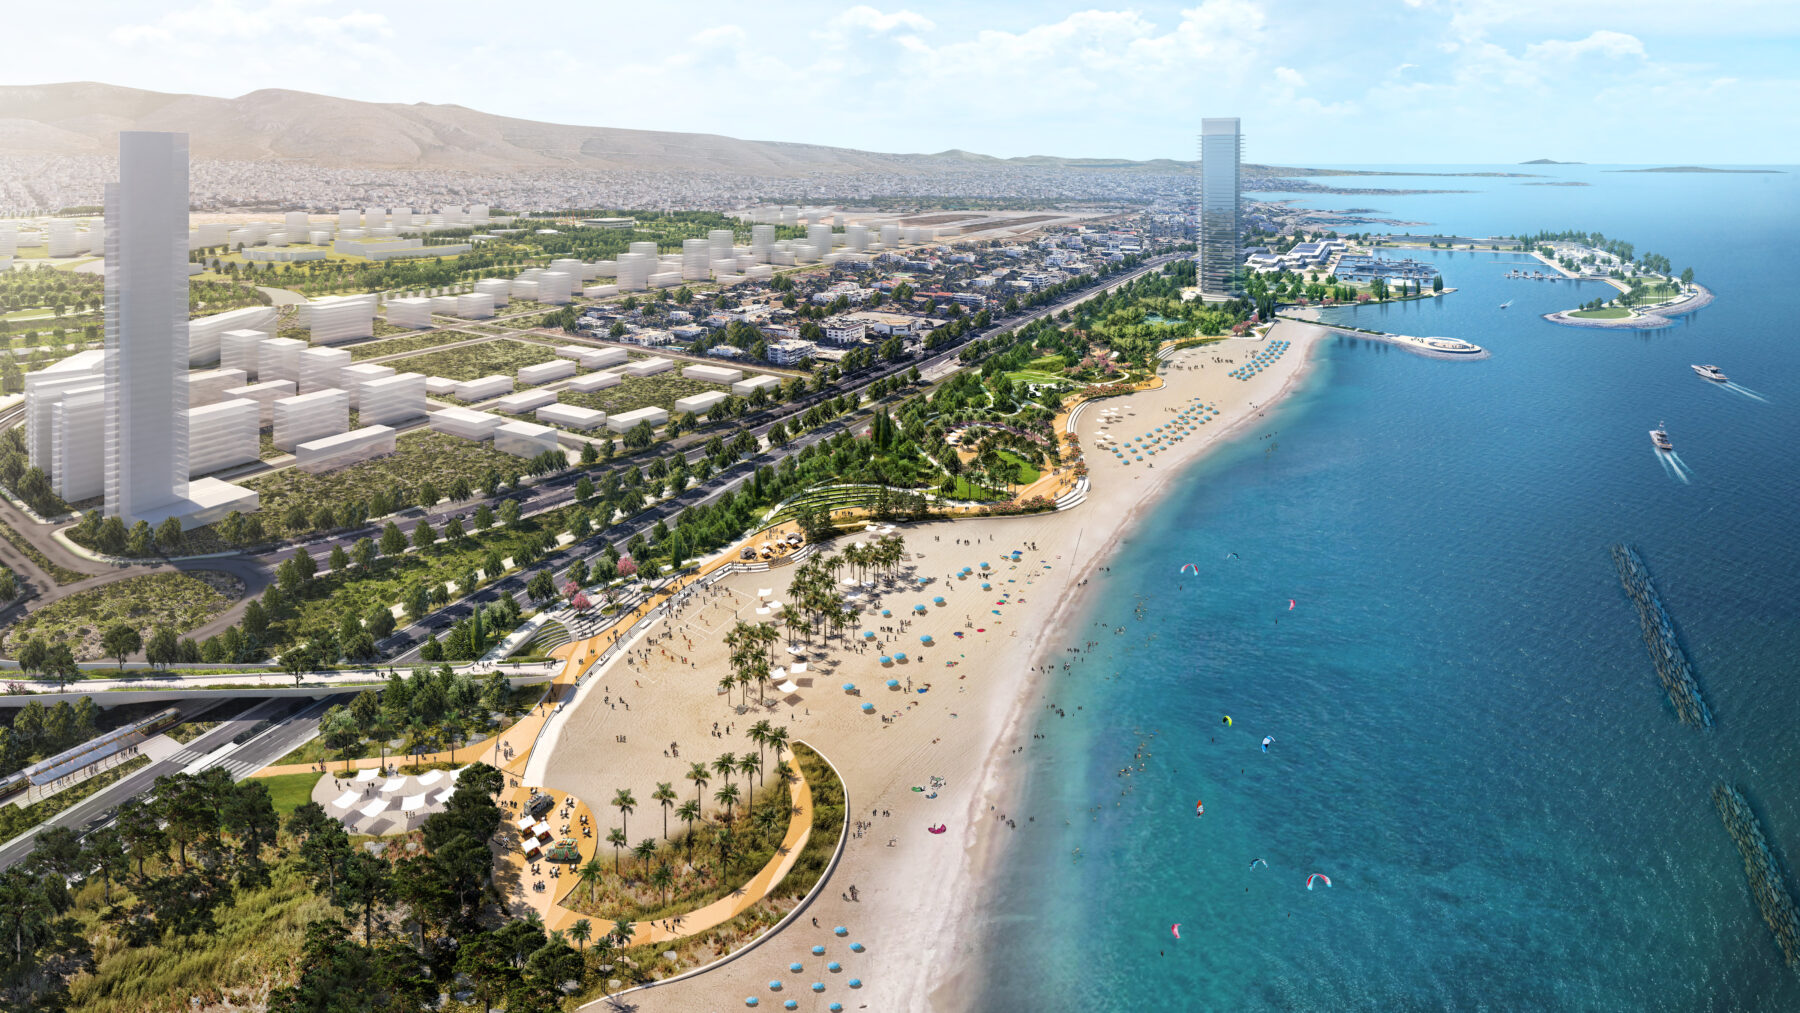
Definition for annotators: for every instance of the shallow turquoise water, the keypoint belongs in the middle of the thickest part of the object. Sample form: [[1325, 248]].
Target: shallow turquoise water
[[1470, 740]]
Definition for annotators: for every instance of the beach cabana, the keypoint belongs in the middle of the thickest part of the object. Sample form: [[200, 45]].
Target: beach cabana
[[786, 687], [797, 667]]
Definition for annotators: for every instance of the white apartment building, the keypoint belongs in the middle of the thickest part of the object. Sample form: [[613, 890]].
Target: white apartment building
[[265, 394], [223, 435], [307, 417]]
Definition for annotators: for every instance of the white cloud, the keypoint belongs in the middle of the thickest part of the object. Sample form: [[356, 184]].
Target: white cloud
[[1290, 77]]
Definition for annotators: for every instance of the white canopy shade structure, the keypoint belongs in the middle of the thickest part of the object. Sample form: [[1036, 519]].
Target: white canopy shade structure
[[764, 592], [797, 668], [524, 824], [776, 606], [777, 672], [412, 803], [347, 799], [394, 784], [795, 651], [375, 808], [368, 774], [763, 611], [456, 775], [430, 777], [787, 687]]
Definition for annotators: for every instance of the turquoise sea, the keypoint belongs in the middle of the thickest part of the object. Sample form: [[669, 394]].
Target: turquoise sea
[[1469, 737]]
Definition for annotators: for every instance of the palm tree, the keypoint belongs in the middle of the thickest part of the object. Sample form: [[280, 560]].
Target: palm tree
[[727, 797], [622, 931], [616, 838], [725, 840], [689, 813], [645, 848], [581, 931], [759, 734], [725, 765], [664, 795], [697, 774], [765, 820], [726, 681], [625, 803], [590, 875], [748, 766], [662, 878], [778, 740]]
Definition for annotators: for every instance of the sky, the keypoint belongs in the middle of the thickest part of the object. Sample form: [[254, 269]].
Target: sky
[[1320, 83]]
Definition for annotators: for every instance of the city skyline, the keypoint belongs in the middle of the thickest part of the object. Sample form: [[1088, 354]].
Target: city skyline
[[1513, 82]]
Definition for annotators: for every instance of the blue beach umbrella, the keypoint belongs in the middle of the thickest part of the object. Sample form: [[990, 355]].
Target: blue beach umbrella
[[848, 686], [790, 1004], [840, 931], [818, 951], [855, 982], [918, 608], [925, 639], [836, 1007], [985, 585], [856, 947], [885, 613], [818, 986], [868, 708], [892, 683], [886, 660], [868, 635], [775, 986], [795, 967], [924, 580], [899, 655], [939, 600], [750, 1000], [834, 967]]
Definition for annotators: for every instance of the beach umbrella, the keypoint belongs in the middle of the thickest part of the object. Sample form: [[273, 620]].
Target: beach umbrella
[[848, 686], [855, 982], [856, 947], [750, 1000], [868, 635], [899, 655], [790, 1004], [918, 608], [836, 1007], [925, 638], [985, 586], [868, 708], [818, 951], [834, 967], [939, 600], [794, 967], [886, 660], [892, 683], [885, 613], [818, 986], [840, 931], [984, 566], [774, 986]]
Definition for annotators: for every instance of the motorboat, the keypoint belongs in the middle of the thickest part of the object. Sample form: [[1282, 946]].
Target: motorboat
[[1661, 438], [1711, 373], [1505, 304]]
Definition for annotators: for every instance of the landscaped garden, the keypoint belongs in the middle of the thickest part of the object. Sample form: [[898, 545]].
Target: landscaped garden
[[1603, 313], [446, 462], [152, 602], [470, 362], [659, 391]]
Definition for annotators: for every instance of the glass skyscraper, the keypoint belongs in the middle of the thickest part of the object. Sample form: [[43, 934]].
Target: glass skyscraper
[[1221, 149]]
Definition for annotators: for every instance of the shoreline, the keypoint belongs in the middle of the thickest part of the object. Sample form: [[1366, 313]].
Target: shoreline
[[964, 709]]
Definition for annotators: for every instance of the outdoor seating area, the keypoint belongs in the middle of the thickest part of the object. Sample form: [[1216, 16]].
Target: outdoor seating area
[[380, 802]]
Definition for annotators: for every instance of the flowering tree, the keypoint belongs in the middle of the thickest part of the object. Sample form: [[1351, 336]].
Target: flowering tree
[[571, 589], [580, 602], [627, 566]]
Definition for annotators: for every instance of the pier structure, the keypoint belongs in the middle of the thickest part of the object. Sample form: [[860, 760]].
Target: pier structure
[[1672, 666]]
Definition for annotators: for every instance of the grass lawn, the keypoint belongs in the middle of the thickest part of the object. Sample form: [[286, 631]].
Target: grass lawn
[[290, 791], [967, 490], [1603, 313], [413, 341], [1028, 472], [1025, 376], [179, 600], [470, 362], [418, 456], [661, 391]]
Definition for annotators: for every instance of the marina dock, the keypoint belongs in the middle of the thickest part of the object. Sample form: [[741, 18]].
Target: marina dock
[[1767, 885], [1672, 666]]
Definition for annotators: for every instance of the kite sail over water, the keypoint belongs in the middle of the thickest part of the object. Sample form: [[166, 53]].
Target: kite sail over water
[[1317, 875], [1176, 929], [1190, 568]]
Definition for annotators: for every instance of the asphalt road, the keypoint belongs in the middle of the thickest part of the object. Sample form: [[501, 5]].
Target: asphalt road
[[99, 808]]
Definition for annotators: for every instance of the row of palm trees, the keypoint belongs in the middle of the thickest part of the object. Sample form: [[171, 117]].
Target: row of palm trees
[[751, 646], [766, 736], [814, 600]]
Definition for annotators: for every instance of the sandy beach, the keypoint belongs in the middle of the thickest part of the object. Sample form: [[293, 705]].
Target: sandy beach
[[964, 703]]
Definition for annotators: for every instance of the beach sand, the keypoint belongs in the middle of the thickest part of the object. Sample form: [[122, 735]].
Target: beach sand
[[915, 889]]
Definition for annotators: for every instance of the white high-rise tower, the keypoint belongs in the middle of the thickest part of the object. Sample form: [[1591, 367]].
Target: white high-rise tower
[[146, 326], [145, 432]]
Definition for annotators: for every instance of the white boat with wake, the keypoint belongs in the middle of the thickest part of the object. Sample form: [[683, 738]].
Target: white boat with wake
[[1711, 373]]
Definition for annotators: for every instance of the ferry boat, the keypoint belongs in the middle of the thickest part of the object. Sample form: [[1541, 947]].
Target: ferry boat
[[1661, 438], [1711, 373]]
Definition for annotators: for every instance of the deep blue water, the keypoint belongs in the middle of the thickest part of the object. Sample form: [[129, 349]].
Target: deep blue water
[[1470, 739]]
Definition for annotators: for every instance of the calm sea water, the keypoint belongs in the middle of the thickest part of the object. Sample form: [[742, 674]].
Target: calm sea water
[[1469, 738]]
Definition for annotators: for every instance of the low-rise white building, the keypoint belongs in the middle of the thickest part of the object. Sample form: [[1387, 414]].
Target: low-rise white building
[[440, 386], [343, 449], [544, 372], [223, 435], [482, 388], [624, 421], [499, 288], [524, 401], [238, 349], [307, 417], [713, 374], [761, 381], [409, 312], [475, 305], [790, 351], [571, 416], [279, 359], [352, 378], [466, 423], [650, 366], [595, 381], [592, 358], [332, 319], [525, 439], [701, 403]]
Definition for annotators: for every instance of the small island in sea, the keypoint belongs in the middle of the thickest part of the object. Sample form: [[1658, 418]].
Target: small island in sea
[[1702, 168], [1560, 182], [1549, 161]]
